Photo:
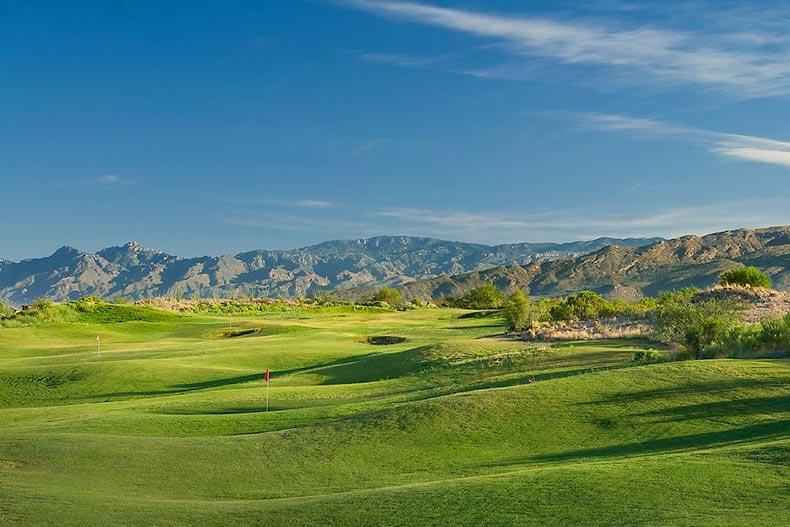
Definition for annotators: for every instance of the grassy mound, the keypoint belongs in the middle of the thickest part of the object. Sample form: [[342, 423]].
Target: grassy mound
[[451, 426], [86, 312]]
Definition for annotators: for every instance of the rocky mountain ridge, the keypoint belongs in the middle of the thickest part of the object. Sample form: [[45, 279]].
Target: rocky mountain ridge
[[632, 272], [134, 271]]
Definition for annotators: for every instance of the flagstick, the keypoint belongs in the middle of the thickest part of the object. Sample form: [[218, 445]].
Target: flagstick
[[98, 348], [267, 395]]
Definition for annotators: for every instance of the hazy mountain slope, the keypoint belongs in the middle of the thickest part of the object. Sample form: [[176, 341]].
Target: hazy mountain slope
[[631, 272], [135, 271]]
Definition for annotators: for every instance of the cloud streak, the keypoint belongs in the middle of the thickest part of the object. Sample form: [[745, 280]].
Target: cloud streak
[[503, 227], [734, 146], [750, 63], [301, 204], [574, 225]]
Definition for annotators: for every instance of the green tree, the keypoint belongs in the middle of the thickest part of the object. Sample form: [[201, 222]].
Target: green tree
[[487, 296], [517, 311], [746, 276], [695, 325], [389, 295]]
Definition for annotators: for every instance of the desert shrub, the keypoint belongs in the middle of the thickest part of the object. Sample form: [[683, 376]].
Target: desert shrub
[[709, 322], [389, 295], [775, 334], [639, 309], [746, 276], [6, 310], [87, 301], [582, 306], [121, 300], [487, 296], [646, 355], [324, 297], [695, 325], [541, 310], [42, 303], [517, 311], [753, 340]]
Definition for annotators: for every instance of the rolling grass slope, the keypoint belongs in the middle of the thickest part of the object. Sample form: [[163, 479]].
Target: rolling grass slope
[[453, 426]]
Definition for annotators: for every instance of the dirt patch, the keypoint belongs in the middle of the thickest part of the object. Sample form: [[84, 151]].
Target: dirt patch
[[8, 464], [385, 340]]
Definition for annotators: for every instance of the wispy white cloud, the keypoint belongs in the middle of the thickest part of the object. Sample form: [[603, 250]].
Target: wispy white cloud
[[457, 220], [310, 203], [742, 147], [367, 146], [746, 63], [504, 227], [111, 179], [399, 59], [579, 224], [775, 157], [300, 203], [103, 181]]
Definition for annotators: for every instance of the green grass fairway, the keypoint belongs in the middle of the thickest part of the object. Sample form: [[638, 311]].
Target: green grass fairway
[[454, 426]]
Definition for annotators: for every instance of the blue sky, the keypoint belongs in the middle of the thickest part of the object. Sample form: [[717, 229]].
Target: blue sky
[[215, 127]]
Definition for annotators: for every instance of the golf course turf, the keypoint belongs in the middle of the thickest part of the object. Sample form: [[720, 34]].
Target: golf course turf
[[449, 423]]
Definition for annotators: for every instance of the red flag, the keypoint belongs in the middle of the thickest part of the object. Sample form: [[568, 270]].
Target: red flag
[[266, 375]]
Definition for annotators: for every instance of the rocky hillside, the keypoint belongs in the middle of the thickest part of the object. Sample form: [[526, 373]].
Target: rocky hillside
[[138, 272], [631, 272]]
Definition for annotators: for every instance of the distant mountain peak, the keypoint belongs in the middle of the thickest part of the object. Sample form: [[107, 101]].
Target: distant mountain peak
[[64, 251]]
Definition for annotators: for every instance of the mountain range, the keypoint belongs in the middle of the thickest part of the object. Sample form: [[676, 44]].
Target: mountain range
[[631, 272], [137, 272]]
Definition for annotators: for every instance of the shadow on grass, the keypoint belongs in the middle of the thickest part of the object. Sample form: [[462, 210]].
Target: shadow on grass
[[745, 434], [184, 388], [223, 411], [691, 389], [722, 409], [358, 368]]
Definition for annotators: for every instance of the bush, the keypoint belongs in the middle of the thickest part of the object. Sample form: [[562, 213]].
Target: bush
[[646, 355], [88, 300], [694, 325], [486, 296], [517, 311], [391, 296], [582, 306], [746, 276], [6, 310], [121, 300], [42, 303], [775, 334], [754, 340]]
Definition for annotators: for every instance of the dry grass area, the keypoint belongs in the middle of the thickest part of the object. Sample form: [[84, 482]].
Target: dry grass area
[[597, 329], [760, 303]]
